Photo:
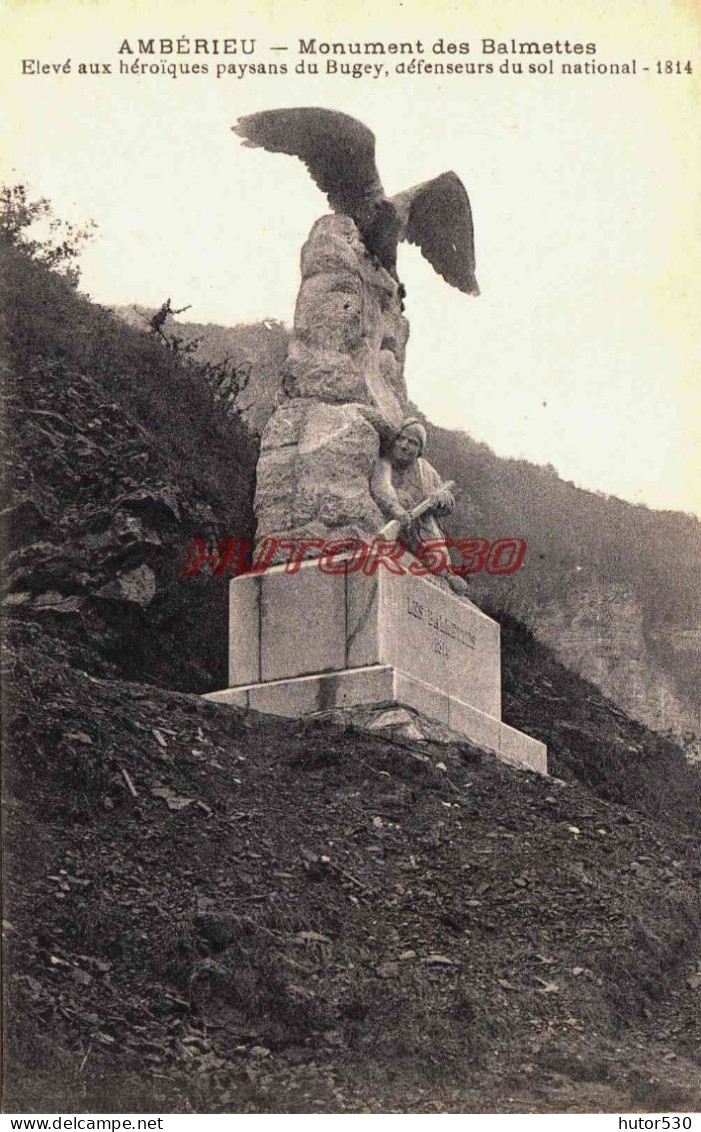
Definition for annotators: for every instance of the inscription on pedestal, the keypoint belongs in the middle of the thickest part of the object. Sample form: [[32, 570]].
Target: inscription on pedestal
[[443, 624], [439, 639]]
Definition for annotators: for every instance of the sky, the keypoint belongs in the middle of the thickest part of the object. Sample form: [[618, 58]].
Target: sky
[[582, 350]]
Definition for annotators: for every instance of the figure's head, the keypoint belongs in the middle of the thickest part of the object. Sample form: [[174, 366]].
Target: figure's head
[[409, 443]]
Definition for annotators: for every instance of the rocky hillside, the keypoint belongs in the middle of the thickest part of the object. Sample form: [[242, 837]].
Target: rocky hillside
[[210, 911], [114, 461], [217, 912]]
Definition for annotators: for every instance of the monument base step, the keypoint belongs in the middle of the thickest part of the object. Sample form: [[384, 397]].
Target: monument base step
[[385, 685]]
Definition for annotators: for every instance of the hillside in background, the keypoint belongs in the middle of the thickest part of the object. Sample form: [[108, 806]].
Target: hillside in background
[[256, 352], [214, 911], [612, 587]]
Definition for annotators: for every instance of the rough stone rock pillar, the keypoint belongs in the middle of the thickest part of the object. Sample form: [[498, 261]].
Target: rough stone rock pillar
[[343, 385]]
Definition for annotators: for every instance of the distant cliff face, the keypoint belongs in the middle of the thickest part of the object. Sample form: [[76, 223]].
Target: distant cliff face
[[599, 632]]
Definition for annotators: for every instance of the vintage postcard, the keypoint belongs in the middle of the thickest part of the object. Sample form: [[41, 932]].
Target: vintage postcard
[[350, 676]]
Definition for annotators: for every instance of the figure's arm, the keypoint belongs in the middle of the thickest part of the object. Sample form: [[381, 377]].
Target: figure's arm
[[383, 491], [433, 485]]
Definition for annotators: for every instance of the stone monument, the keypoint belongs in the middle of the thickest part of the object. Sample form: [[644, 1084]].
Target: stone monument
[[339, 459], [343, 384]]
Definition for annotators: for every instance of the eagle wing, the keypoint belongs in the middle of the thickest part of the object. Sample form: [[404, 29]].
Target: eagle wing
[[437, 217], [339, 151]]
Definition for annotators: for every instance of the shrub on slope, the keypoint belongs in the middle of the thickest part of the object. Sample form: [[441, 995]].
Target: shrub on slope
[[115, 461]]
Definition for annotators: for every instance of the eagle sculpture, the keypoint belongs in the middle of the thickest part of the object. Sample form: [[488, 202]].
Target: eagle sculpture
[[339, 152]]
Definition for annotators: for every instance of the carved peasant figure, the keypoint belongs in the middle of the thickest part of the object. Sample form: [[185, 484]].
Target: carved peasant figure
[[401, 480]]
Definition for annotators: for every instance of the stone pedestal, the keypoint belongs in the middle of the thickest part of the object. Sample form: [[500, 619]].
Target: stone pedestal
[[312, 641]]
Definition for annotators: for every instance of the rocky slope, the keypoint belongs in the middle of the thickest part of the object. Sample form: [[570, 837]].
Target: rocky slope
[[113, 462], [216, 912]]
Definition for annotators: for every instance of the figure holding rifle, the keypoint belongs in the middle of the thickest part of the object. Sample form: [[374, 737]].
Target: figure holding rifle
[[411, 495]]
